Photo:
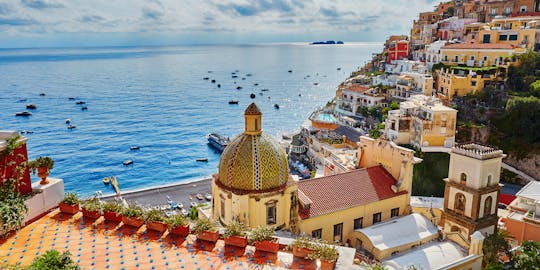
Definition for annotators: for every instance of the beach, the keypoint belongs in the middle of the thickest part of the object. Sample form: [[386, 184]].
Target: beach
[[157, 196]]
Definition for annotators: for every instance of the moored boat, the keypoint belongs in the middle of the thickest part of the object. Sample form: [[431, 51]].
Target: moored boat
[[217, 141], [233, 101], [106, 180], [25, 113], [31, 106], [202, 160]]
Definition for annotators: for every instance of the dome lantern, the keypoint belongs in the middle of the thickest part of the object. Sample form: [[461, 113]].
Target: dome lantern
[[253, 120]]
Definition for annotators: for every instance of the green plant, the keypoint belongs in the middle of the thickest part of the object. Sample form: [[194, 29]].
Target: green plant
[[176, 220], [193, 213], [154, 215], [235, 228], [12, 212], [204, 224], [261, 234], [41, 162], [133, 211], [54, 260], [325, 252], [112, 206], [11, 144], [93, 204], [304, 241], [71, 198]]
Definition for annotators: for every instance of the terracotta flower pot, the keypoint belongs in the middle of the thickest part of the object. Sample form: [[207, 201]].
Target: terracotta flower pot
[[327, 265], [91, 214], [134, 222], [156, 226], [180, 230], [69, 208], [112, 216], [271, 246], [237, 241], [43, 173], [208, 236], [301, 252]]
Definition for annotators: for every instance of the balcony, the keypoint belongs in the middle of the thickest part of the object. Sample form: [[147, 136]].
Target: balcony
[[470, 63]]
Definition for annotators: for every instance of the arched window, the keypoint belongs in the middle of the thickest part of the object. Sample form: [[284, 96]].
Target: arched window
[[487, 206], [463, 177], [459, 202], [256, 124], [489, 180]]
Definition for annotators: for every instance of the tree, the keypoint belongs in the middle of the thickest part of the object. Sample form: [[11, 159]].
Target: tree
[[496, 245], [54, 260], [535, 88], [529, 256], [394, 105]]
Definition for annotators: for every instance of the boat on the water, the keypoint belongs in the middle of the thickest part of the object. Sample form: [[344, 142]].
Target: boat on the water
[[217, 141], [202, 160], [127, 162], [199, 196], [276, 106], [252, 95], [25, 113], [80, 102], [106, 180], [135, 147], [233, 101], [264, 89], [208, 196], [31, 106], [71, 126]]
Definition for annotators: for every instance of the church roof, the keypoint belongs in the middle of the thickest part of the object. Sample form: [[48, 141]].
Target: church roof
[[252, 109], [354, 188]]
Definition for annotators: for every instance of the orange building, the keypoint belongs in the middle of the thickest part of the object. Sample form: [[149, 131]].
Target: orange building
[[523, 221]]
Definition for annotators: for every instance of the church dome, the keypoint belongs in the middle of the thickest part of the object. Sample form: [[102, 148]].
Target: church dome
[[253, 161]]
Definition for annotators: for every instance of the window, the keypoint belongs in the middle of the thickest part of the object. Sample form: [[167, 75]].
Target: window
[[271, 214], [456, 58], [489, 180], [394, 212], [376, 217], [446, 58], [523, 9], [472, 57], [443, 130], [487, 206], [338, 232], [222, 213], [256, 124], [507, 10], [473, 83], [493, 11], [485, 58], [316, 233], [503, 37], [459, 202], [486, 39], [512, 37], [463, 177], [358, 223]]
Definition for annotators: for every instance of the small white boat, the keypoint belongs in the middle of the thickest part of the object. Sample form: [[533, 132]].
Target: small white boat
[[106, 180], [25, 113], [184, 212], [199, 196], [127, 162], [68, 121], [193, 204], [134, 147], [208, 196]]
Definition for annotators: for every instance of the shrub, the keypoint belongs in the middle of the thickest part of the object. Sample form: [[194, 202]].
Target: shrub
[[204, 224], [71, 198], [92, 204], [325, 252], [261, 234], [176, 220], [133, 211], [155, 215], [112, 206], [235, 228], [41, 162], [54, 260], [304, 241]]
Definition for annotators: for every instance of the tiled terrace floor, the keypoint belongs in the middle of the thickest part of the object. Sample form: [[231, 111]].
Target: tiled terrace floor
[[99, 244]]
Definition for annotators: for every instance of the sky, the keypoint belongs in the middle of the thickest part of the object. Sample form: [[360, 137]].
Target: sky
[[72, 23]]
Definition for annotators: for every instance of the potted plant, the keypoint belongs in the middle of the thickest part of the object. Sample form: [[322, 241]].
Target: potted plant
[[92, 208], [155, 220], [263, 239], [112, 211], [327, 254], [43, 166], [178, 225], [132, 215], [70, 203], [206, 230], [302, 246], [235, 234]]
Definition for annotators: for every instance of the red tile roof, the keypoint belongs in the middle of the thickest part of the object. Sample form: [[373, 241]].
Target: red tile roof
[[357, 88], [479, 46], [342, 191]]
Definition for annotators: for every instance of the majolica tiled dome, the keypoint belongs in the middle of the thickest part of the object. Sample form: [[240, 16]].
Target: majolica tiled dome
[[253, 161]]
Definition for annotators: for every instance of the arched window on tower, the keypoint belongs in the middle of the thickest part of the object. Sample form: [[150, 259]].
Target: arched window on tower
[[459, 202], [489, 180], [463, 177], [256, 124], [487, 206]]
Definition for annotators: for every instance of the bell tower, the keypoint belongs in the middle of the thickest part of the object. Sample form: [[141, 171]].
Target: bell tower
[[253, 119], [472, 189]]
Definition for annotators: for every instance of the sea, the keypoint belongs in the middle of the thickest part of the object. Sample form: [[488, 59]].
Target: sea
[[156, 98]]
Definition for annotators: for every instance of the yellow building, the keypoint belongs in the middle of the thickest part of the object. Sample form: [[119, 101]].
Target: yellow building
[[461, 81], [253, 184], [477, 55]]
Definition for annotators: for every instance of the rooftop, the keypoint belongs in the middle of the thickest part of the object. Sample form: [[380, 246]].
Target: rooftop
[[99, 244], [491, 46], [351, 133], [354, 188], [357, 88], [530, 191], [399, 231], [432, 255], [477, 151]]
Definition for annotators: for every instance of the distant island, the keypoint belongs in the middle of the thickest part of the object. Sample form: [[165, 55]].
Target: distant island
[[328, 42]]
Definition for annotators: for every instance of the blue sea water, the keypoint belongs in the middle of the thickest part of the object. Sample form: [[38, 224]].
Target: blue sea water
[[156, 98]]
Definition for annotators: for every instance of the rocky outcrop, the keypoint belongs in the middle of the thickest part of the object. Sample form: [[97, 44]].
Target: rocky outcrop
[[529, 165]]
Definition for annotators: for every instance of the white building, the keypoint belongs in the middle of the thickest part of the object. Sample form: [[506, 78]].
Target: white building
[[399, 66], [433, 53]]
